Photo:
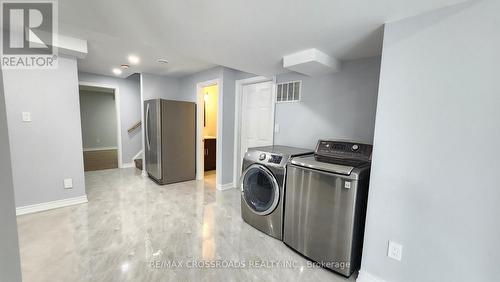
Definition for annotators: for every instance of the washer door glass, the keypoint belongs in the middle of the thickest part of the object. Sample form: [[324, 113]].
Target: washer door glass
[[260, 190]]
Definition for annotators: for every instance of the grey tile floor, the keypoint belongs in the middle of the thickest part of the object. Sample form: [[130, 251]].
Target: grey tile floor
[[134, 230]]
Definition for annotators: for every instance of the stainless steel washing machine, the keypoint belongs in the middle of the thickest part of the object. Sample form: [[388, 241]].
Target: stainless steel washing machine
[[262, 187], [325, 204]]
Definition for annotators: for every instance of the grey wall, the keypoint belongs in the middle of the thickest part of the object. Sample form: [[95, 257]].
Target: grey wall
[[130, 109], [158, 86], [229, 88], [10, 269], [227, 79], [48, 149], [334, 106], [98, 116], [188, 83], [434, 185]]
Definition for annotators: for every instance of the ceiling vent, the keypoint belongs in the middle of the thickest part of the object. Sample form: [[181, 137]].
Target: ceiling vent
[[311, 62], [288, 91]]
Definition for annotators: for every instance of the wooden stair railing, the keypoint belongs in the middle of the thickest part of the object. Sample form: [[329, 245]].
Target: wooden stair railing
[[134, 127]]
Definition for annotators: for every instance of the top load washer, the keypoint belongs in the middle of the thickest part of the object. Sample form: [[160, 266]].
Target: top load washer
[[262, 186], [325, 204]]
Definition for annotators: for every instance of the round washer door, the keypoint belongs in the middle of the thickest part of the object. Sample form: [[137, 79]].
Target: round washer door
[[259, 189]]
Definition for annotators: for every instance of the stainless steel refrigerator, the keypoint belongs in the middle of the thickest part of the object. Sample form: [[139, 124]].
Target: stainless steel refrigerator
[[170, 137]]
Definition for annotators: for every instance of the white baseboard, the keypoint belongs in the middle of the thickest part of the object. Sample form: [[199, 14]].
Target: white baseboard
[[51, 205], [99, 149], [364, 276], [222, 187], [128, 165]]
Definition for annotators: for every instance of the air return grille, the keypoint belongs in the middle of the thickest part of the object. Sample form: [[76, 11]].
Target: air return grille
[[288, 91]]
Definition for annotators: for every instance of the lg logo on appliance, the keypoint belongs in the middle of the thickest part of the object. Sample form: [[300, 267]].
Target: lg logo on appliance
[[28, 35]]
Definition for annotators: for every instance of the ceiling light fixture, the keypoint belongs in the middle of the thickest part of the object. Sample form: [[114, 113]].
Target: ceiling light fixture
[[117, 71], [134, 60], [124, 66], [162, 61]]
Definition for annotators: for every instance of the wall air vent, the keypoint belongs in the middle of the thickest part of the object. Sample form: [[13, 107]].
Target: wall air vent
[[288, 91]]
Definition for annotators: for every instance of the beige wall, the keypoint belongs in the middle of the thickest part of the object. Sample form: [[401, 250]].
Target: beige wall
[[210, 93]]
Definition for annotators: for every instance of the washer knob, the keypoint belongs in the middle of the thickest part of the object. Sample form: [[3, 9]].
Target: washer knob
[[355, 147], [262, 156]]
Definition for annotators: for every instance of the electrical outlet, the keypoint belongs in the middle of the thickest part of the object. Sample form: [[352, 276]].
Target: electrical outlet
[[26, 116], [395, 251], [68, 183]]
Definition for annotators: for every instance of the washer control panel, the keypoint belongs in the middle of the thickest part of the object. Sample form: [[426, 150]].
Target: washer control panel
[[275, 159], [342, 150]]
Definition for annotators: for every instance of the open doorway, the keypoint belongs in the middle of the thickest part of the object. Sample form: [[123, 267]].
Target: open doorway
[[100, 127], [208, 131]]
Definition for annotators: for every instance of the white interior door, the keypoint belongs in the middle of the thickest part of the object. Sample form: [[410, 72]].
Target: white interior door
[[257, 116]]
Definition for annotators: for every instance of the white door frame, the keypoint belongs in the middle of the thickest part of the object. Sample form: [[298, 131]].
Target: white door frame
[[237, 118], [116, 92], [200, 166]]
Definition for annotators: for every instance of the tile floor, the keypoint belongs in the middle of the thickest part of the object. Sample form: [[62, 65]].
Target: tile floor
[[134, 230]]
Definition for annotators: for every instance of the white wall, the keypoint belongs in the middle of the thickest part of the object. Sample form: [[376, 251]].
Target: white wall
[[434, 184], [334, 106], [98, 116], [48, 149], [130, 109], [10, 269]]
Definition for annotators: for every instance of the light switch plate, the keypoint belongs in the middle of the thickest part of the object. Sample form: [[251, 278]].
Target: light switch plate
[[68, 183], [26, 117], [395, 251]]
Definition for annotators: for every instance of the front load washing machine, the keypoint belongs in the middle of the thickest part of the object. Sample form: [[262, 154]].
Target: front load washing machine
[[263, 186]]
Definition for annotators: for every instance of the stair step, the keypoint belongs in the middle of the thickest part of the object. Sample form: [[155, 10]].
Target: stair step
[[138, 163]]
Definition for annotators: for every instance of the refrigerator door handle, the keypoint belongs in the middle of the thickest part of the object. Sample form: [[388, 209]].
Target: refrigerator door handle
[[147, 127]]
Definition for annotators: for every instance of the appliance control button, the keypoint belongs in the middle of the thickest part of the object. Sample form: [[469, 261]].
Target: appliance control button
[[355, 147], [262, 156]]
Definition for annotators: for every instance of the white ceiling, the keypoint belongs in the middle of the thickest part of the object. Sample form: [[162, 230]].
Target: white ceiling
[[251, 36]]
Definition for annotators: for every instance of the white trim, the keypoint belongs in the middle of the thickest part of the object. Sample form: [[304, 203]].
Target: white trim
[[237, 118], [141, 84], [99, 149], [200, 170], [137, 156], [364, 276], [227, 186], [118, 117], [128, 165], [51, 205]]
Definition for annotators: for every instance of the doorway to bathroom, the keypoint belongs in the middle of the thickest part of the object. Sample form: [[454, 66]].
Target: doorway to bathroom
[[208, 130]]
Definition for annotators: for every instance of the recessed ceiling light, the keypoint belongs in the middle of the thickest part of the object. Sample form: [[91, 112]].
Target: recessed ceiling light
[[117, 71], [134, 60], [124, 66], [162, 61]]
